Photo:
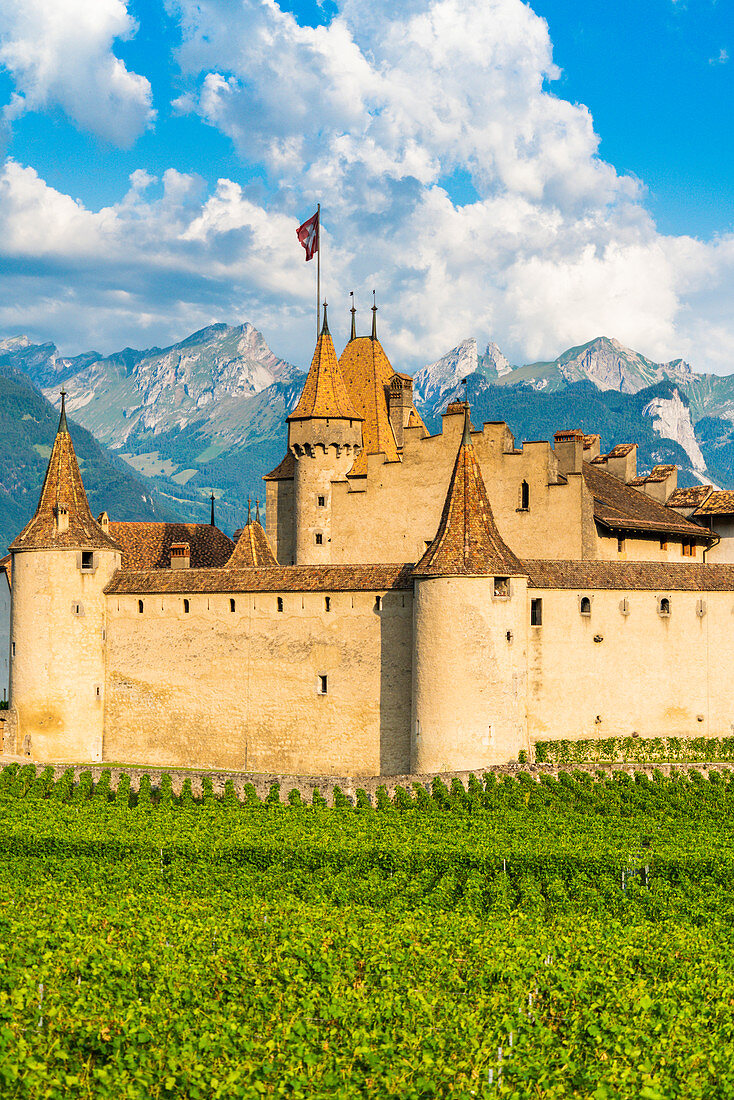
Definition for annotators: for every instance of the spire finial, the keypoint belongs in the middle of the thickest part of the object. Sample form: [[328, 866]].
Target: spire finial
[[374, 316], [466, 437], [63, 426], [325, 326], [249, 509], [257, 510], [353, 311], [211, 520]]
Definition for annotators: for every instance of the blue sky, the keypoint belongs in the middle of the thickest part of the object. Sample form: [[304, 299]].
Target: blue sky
[[536, 175]]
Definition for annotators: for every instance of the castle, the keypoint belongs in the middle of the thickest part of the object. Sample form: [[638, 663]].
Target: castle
[[419, 603]]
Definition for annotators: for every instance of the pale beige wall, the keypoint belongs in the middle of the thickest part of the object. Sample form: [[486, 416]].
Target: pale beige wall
[[4, 635], [59, 659], [279, 520], [392, 514], [324, 452], [649, 675], [238, 690], [639, 549], [469, 678], [724, 550]]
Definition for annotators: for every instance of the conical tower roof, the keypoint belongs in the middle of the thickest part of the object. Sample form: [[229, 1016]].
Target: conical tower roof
[[467, 542], [63, 519], [324, 395], [252, 549]]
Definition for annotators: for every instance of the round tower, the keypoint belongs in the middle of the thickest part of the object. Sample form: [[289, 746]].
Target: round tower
[[469, 635], [62, 561], [325, 437]]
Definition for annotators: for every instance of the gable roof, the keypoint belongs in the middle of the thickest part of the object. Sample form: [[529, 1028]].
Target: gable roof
[[63, 490], [688, 496], [622, 508], [467, 542], [719, 503], [252, 549], [324, 395], [148, 545]]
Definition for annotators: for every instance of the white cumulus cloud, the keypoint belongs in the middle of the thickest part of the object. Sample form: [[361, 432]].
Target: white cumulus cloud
[[60, 54]]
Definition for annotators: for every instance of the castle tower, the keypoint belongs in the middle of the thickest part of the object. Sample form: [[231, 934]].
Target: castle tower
[[324, 437], [62, 562], [470, 634]]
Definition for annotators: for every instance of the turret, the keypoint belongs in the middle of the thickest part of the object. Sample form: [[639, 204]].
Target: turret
[[470, 634], [62, 562], [325, 437]]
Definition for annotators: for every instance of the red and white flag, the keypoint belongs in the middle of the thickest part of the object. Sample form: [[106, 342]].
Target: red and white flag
[[308, 235]]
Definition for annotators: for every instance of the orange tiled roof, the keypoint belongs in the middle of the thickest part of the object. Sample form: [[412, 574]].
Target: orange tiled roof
[[367, 373], [252, 549], [148, 545], [63, 489], [690, 496], [721, 503], [6, 564], [283, 578], [621, 507], [467, 541], [324, 394]]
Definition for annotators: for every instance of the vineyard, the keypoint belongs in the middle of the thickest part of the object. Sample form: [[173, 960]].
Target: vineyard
[[564, 938]]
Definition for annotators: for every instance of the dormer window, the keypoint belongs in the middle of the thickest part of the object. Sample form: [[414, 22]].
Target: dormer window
[[61, 516]]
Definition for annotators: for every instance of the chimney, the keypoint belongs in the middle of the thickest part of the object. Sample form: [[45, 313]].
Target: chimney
[[401, 402], [621, 462], [61, 518], [569, 448], [180, 555], [592, 447], [661, 483]]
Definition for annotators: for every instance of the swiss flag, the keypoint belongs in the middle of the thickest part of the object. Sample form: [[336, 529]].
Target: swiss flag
[[308, 235]]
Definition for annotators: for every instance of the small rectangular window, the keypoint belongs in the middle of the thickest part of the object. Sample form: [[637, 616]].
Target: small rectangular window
[[378, 603], [322, 502], [319, 538], [87, 561], [187, 607], [536, 612], [232, 605], [663, 544], [502, 586], [327, 603], [621, 545], [13, 649], [323, 684], [140, 607], [280, 603]]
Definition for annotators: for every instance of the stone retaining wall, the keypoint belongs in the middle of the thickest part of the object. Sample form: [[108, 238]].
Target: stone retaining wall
[[305, 785]]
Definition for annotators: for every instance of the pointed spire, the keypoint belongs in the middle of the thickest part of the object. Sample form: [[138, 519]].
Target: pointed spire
[[63, 426], [252, 549], [467, 542], [63, 519], [324, 395], [257, 510], [211, 519], [249, 509], [353, 312], [374, 316]]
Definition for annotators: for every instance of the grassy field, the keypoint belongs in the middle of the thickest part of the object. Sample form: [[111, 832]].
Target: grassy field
[[554, 939]]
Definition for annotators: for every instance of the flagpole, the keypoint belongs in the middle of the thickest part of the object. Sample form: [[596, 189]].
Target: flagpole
[[318, 274]]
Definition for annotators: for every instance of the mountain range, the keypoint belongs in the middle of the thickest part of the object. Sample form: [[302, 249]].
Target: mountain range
[[208, 414]]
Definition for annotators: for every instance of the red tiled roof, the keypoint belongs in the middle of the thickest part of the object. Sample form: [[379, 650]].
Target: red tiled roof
[[285, 578], [467, 541], [622, 508], [6, 564], [63, 490], [148, 545]]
